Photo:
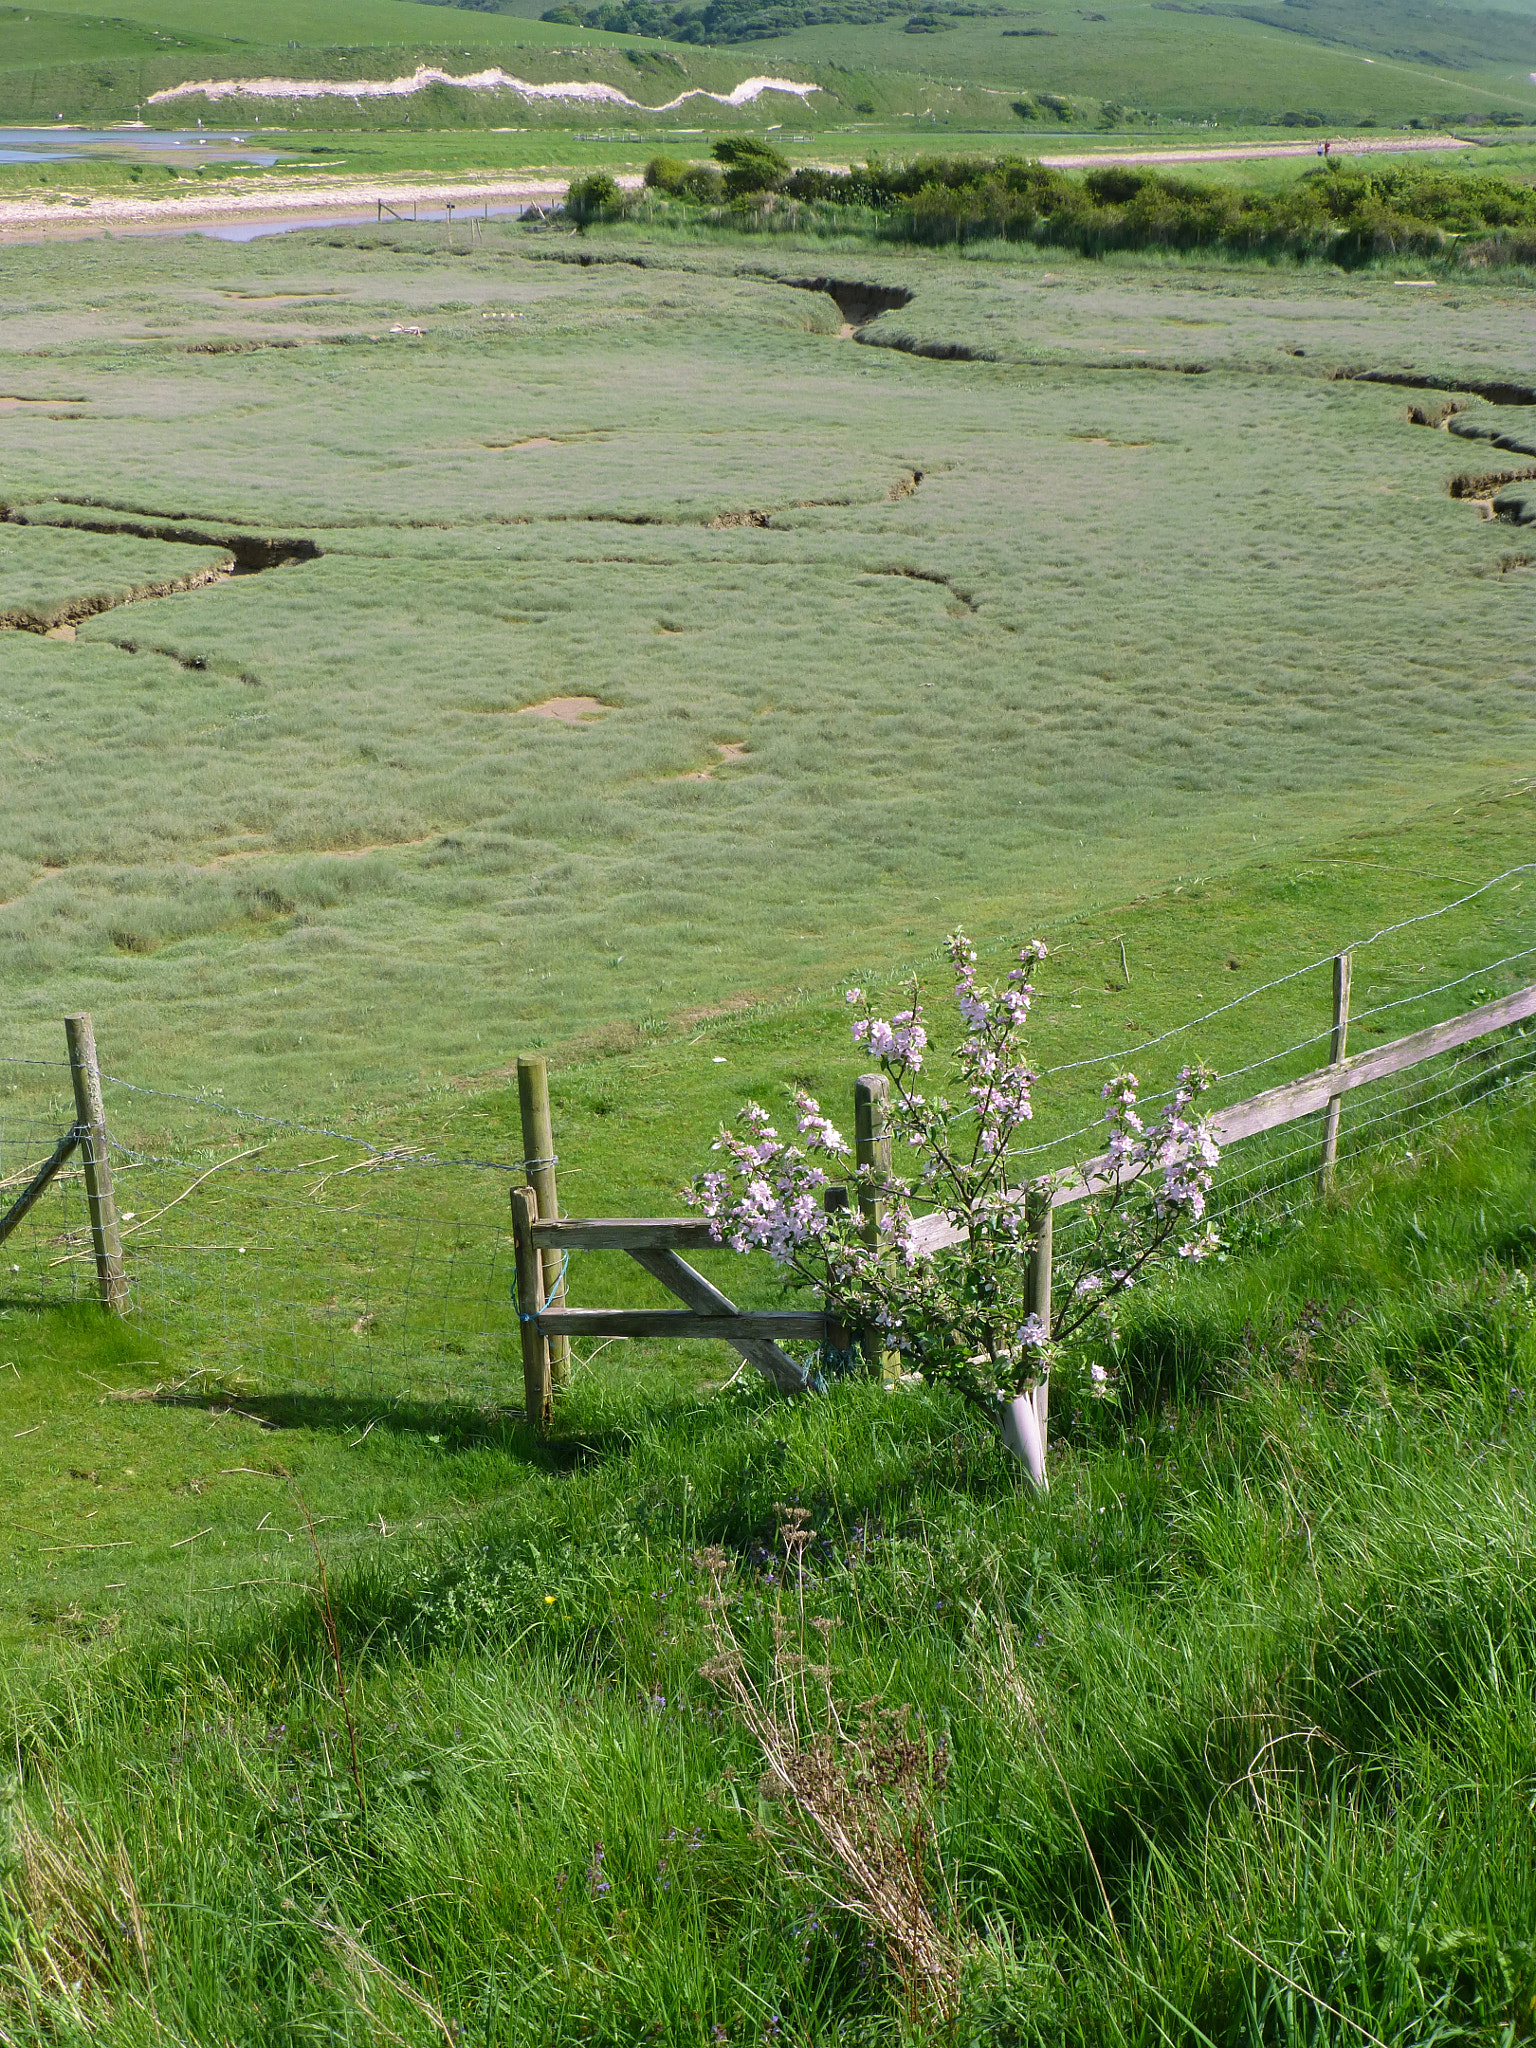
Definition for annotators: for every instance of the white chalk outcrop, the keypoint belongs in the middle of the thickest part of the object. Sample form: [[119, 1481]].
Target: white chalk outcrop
[[495, 80]]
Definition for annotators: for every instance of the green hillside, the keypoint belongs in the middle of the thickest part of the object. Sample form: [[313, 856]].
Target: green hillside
[[957, 61]]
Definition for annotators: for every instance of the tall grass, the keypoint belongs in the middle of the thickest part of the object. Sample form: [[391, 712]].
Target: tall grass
[[1234, 1726]]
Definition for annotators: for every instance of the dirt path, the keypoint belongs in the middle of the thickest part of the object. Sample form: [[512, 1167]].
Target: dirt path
[[239, 203], [1247, 152]]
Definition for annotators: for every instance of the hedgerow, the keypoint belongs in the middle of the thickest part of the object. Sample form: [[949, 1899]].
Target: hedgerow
[[1350, 214]]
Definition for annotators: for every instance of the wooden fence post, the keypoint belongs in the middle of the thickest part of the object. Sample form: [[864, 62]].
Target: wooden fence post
[[91, 1121], [872, 1145], [539, 1165], [872, 1154], [537, 1404], [1037, 1218], [1341, 977]]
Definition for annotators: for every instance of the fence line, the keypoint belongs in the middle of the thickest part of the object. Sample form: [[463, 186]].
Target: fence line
[[366, 1272], [1312, 966], [657, 1242]]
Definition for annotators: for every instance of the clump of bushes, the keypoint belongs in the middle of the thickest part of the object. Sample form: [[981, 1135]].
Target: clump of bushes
[[1348, 213], [702, 183], [750, 166], [744, 166], [745, 21]]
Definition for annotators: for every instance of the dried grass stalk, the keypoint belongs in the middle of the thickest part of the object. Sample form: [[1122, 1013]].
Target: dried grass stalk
[[77, 1931], [857, 1786]]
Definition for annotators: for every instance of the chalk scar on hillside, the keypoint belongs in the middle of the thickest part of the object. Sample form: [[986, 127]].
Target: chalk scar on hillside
[[425, 76]]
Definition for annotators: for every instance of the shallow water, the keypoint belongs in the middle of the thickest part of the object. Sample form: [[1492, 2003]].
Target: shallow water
[[60, 144]]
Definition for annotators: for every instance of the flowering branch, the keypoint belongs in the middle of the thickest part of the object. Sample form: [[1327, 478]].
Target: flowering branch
[[962, 1316]]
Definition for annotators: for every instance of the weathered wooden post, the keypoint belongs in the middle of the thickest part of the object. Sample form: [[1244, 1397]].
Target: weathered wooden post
[[1341, 976], [872, 1147], [872, 1155], [1037, 1220], [537, 1403], [539, 1165], [91, 1122]]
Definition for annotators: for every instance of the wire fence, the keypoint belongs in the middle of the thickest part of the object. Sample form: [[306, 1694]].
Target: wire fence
[[262, 1259], [1264, 1181], [272, 1255]]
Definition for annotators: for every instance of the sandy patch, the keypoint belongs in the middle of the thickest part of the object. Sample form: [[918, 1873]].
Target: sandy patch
[[11, 402], [728, 750], [277, 199], [566, 710]]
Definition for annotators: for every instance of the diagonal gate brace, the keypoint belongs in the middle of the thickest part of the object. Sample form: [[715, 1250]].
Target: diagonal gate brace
[[696, 1292]]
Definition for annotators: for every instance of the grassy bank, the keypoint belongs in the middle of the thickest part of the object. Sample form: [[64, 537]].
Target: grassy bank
[[1228, 1738]]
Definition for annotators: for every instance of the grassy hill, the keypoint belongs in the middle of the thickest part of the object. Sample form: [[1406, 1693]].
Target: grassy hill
[[964, 66]]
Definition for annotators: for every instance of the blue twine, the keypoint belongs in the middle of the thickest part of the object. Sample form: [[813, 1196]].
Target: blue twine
[[565, 1260]]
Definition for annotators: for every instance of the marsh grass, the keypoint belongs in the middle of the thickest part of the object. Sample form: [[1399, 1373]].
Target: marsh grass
[[49, 577], [1149, 624]]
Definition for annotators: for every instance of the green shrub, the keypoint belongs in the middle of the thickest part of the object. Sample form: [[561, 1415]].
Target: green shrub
[[1352, 215], [592, 197], [704, 184], [666, 173], [750, 165]]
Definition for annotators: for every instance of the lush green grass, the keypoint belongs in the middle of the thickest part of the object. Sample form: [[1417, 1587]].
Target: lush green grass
[[1236, 1724], [315, 1303], [44, 573], [1155, 624]]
